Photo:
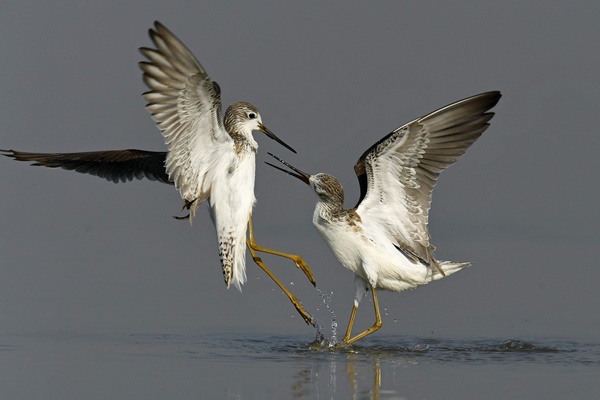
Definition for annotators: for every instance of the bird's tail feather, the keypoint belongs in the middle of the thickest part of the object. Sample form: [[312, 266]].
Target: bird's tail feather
[[450, 267]]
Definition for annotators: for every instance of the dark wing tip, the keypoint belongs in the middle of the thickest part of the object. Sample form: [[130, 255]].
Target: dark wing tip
[[112, 165], [492, 98]]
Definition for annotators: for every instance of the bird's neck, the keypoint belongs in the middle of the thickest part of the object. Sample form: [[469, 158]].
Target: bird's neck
[[244, 143], [329, 209]]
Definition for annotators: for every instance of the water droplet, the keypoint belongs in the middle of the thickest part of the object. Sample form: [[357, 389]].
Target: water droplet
[[292, 283], [326, 298], [421, 347]]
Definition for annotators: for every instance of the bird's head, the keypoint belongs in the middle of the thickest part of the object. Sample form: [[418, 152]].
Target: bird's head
[[243, 118], [327, 187]]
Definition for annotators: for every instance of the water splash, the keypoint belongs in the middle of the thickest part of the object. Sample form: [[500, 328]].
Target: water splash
[[326, 298], [516, 345], [420, 347]]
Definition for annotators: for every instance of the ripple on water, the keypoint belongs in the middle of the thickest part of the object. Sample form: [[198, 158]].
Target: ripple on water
[[239, 347], [469, 351]]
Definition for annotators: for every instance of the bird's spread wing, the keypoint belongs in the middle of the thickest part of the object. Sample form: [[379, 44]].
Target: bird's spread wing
[[186, 105], [112, 165], [398, 173]]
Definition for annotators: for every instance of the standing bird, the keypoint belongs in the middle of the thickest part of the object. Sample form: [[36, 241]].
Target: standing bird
[[208, 157], [384, 239]]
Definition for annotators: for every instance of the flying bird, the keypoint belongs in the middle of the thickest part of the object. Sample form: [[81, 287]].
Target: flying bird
[[208, 158], [384, 239]]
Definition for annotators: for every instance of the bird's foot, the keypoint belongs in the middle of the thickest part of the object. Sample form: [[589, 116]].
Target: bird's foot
[[300, 263], [303, 313]]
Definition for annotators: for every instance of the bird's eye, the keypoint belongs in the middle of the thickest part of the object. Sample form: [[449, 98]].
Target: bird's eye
[[251, 115]]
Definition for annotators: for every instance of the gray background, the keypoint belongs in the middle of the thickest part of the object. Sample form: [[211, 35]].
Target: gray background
[[81, 255]]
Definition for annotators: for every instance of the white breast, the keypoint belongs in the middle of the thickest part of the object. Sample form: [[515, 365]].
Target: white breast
[[342, 241], [370, 254]]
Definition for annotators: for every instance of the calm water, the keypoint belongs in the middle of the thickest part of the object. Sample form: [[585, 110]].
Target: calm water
[[263, 366]]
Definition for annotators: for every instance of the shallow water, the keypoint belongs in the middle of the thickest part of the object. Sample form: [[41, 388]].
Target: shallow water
[[259, 366]]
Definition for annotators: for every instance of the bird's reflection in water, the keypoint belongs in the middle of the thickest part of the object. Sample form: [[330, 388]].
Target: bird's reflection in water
[[353, 379], [349, 373]]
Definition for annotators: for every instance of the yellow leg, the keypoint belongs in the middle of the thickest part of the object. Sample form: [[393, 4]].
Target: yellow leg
[[350, 323], [297, 259], [366, 332], [305, 315]]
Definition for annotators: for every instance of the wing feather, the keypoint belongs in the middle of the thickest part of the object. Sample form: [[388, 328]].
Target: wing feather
[[398, 173], [186, 105], [112, 165]]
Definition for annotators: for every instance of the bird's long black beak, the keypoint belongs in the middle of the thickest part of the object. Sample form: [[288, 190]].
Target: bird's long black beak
[[270, 134], [303, 176]]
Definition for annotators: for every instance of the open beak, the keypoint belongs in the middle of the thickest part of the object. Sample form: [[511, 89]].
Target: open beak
[[270, 134], [303, 176]]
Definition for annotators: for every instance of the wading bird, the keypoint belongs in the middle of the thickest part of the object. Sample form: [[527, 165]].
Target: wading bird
[[384, 239], [208, 158]]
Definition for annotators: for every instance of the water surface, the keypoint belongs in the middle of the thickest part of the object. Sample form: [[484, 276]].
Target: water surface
[[259, 366]]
